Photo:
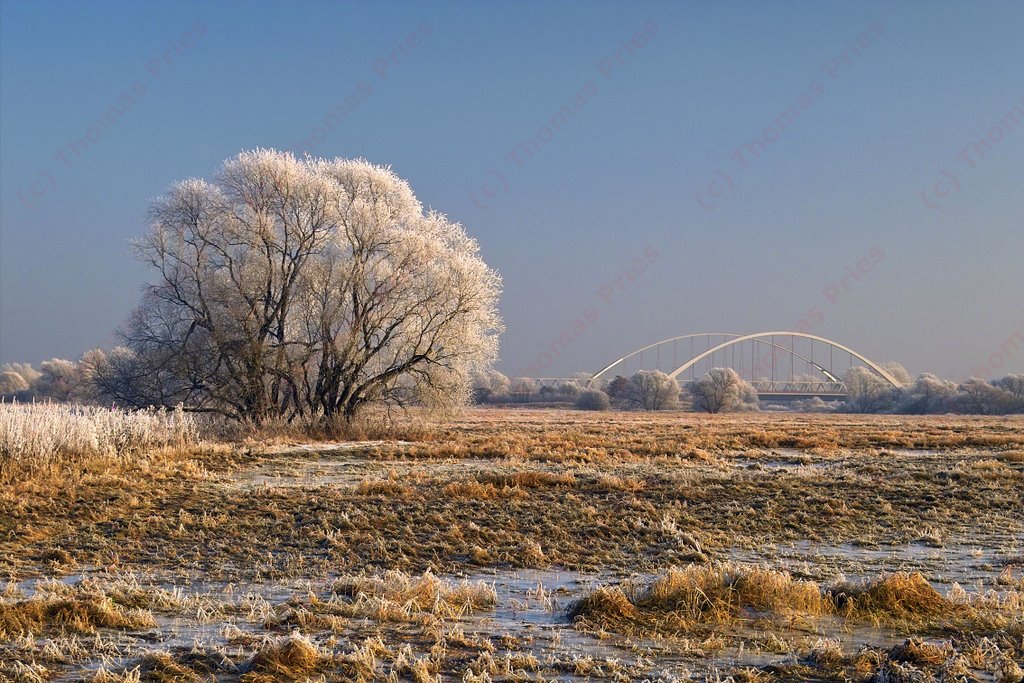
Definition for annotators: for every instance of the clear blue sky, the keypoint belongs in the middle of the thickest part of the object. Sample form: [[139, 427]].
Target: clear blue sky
[[654, 151]]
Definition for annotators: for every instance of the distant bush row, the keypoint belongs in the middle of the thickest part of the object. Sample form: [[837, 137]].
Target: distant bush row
[[927, 395], [57, 379], [105, 378], [723, 390]]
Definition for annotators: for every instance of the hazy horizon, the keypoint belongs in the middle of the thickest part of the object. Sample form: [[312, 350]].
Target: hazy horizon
[[634, 171]]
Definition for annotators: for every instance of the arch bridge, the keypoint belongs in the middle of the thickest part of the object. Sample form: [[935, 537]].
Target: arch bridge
[[780, 364]]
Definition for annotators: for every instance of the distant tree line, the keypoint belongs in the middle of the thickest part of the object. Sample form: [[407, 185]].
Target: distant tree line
[[100, 377], [868, 393], [56, 379], [723, 390]]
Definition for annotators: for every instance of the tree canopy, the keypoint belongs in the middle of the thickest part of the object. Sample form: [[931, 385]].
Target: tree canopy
[[305, 287]]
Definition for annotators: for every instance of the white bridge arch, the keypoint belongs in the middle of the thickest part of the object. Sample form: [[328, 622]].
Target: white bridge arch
[[828, 385]]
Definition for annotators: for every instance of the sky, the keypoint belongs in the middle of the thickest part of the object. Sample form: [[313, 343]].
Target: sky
[[634, 170]]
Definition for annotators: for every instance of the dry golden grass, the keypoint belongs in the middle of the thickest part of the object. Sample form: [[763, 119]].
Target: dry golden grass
[[899, 598], [494, 486], [692, 597], [682, 599], [498, 492], [391, 597], [397, 592], [916, 651], [703, 593], [383, 487], [80, 614], [532, 479], [475, 490], [289, 659], [161, 667], [1015, 457]]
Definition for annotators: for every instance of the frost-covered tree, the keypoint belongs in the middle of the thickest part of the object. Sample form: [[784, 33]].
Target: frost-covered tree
[[813, 405], [1014, 384], [981, 398], [307, 287], [567, 390], [866, 392], [652, 390], [583, 379], [898, 372], [523, 389], [927, 395], [24, 370], [123, 377], [12, 382], [559, 392], [58, 379], [87, 367], [618, 389], [489, 385], [720, 390]]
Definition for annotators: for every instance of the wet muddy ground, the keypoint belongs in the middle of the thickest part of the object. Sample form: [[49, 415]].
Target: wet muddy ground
[[529, 620], [462, 555]]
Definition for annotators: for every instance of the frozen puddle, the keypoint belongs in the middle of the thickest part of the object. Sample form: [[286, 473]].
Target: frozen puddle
[[326, 447], [313, 474], [954, 562], [313, 468]]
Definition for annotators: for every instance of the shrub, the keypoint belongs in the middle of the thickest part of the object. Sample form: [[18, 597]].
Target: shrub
[[593, 399], [11, 382]]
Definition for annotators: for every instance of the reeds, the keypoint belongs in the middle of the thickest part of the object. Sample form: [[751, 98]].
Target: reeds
[[42, 439], [899, 597]]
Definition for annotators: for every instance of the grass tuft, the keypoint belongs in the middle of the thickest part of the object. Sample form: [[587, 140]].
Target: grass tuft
[[697, 595], [899, 597], [291, 658], [79, 614]]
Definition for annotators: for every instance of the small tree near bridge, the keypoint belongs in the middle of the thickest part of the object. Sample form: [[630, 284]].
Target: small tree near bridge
[[722, 390], [652, 390]]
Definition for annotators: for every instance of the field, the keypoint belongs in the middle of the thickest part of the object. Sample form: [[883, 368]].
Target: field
[[530, 545]]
